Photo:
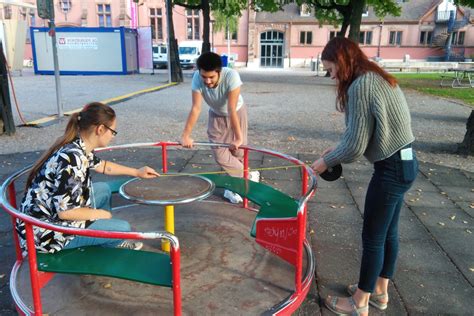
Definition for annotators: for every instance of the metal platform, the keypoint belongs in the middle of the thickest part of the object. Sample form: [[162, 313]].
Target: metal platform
[[223, 272]]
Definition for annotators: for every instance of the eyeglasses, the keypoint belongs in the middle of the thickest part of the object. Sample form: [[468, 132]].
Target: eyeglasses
[[114, 132]]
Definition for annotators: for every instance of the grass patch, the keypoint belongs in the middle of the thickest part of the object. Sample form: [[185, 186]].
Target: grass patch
[[429, 83]]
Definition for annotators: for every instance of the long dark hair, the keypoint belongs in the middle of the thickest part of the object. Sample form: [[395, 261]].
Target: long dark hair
[[351, 62], [93, 114]]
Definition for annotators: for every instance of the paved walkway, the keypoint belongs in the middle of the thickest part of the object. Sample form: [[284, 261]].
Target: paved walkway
[[293, 112]]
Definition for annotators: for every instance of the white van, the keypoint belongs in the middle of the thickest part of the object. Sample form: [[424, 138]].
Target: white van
[[189, 51], [160, 56]]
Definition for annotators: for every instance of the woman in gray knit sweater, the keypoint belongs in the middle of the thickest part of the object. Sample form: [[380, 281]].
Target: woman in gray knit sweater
[[378, 126]]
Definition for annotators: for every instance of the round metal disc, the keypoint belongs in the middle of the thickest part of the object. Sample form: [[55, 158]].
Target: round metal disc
[[168, 189], [332, 174]]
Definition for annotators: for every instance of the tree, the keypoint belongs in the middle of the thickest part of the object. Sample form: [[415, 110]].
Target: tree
[[466, 3], [348, 13], [225, 23], [467, 145], [225, 8], [175, 67], [203, 5]]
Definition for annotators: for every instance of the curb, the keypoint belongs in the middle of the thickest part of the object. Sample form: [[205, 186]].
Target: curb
[[46, 121]]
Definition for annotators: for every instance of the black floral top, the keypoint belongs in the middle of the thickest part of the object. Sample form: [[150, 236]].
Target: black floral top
[[62, 183]]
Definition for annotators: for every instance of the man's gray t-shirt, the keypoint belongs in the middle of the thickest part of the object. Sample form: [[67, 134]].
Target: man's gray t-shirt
[[216, 97]]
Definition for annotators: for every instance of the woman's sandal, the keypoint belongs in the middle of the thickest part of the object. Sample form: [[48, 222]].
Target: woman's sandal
[[379, 301], [331, 303]]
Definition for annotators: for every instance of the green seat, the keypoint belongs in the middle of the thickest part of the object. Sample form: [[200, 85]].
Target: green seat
[[273, 203], [142, 266]]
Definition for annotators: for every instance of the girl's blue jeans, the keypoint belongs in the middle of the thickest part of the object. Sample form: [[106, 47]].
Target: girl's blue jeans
[[390, 181], [102, 196]]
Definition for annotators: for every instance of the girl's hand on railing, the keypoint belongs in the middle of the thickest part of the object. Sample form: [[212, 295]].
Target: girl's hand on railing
[[147, 173]]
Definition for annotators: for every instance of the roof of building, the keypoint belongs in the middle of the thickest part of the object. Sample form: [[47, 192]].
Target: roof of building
[[413, 10]]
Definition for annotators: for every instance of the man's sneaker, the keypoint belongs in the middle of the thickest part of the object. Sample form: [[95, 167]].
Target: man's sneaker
[[232, 197], [254, 176], [137, 245]]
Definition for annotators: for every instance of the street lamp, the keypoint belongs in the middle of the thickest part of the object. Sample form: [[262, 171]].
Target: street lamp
[[212, 34], [380, 40]]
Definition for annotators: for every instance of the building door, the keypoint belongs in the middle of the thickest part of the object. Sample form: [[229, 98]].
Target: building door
[[271, 49]]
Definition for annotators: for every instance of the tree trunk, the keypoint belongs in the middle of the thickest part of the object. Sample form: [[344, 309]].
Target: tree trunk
[[175, 67], [358, 7], [206, 13], [346, 13], [467, 145], [7, 124]]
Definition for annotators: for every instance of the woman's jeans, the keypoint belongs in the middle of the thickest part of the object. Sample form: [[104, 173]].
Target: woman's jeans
[[390, 181], [102, 197]]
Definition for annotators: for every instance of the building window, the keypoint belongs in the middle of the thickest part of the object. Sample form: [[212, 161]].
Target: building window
[[395, 38], [365, 12], [156, 23], [305, 10], [332, 34], [65, 5], [306, 38], [365, 37], [7, 12], [22, 12], [461, 38], [426, 37], [192, 24], [104, 15], [458, 38], [233, 36]]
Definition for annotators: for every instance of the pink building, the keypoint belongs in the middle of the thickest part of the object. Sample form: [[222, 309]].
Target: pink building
[[293, 37], [288, 38]]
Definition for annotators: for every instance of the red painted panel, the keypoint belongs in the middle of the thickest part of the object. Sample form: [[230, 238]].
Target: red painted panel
[[279, 236]]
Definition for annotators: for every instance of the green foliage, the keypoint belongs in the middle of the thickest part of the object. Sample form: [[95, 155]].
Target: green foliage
[[268, 5], [221, 21], [382, 8], [230, 11], [331, 11], [465, 3]]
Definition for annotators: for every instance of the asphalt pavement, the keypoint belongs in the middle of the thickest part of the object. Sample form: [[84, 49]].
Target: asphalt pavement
[[292, 111]]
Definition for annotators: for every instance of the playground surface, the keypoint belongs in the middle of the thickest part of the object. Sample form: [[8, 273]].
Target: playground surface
[[293, 112]]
